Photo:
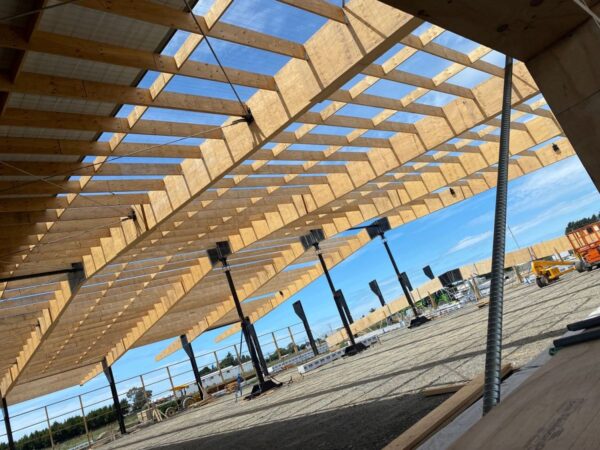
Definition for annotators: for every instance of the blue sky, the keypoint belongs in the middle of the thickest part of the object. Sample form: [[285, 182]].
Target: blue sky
[[540, 204]]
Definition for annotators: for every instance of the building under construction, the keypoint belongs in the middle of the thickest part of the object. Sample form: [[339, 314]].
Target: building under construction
[[171, 167]]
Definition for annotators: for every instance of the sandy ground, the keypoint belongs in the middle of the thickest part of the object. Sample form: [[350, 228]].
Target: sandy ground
[[367, 400]]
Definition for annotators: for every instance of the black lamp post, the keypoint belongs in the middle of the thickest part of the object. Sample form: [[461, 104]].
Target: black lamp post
[[378, 229], [312, 239], [220, 254]]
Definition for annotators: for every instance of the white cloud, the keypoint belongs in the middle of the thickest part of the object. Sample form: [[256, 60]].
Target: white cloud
[[545, 186], [559, 210], [470, 241]]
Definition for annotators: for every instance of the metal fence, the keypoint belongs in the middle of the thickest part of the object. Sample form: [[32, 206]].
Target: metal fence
[[81, 420]]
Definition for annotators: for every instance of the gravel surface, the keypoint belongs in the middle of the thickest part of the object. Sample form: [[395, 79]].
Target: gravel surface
[[367, 400]]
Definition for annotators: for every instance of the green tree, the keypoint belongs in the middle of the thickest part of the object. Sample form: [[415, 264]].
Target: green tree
[[138, 397]]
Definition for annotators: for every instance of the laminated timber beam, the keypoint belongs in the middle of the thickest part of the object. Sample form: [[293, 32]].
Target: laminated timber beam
[[151, 12], [364, 85], [271, 114], [439, 201], [359, 218], [320, 7]]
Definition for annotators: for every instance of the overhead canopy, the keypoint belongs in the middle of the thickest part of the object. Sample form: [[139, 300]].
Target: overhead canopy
[[343, 131]]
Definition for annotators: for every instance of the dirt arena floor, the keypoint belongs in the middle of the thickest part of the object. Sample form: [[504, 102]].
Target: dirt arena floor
[[367, 400]]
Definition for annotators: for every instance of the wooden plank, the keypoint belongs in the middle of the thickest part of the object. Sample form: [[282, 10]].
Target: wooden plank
[[555, 408], [443, 414], [443, 389]]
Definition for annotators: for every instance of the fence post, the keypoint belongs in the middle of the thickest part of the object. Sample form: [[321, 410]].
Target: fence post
[[276, 345], [85, 425], [171, 380], [239, 357], [49, 427], [219, 367], [293, 341], [476, 290]]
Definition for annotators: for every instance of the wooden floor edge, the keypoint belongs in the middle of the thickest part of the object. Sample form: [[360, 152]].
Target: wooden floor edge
[[444, 413]]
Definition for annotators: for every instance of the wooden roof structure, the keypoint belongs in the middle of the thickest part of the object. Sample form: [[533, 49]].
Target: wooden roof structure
[[76, 187]]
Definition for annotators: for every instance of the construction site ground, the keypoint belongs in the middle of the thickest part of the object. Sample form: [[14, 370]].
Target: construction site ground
[[367, 400]]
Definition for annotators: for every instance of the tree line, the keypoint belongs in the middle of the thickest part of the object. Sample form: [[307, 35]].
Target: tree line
[[581, 223], [138, 398], [68, 429]]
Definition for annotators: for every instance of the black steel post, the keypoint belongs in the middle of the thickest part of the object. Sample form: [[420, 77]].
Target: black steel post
[[299, 310], [245, 330], [337, 302], [409, 298], [113, 390], [257, 348], [342, 300], [493, 351], [9, 436], [187, 347]]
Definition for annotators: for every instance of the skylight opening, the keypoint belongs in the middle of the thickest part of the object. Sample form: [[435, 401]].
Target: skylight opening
[[421, 29], [154, 139], [456, 42], [495, 58], [406, 117], [321, 106], [469, 78], [207, 88], [525, 118], [390, 89], [359, 111], [381, 134], [308, 147], [274, 18], [175, 43], [330, 130], [424, 64], [387, 55], [293, 127], [434, 98], [240, 57], [180, 116], [355, 80]]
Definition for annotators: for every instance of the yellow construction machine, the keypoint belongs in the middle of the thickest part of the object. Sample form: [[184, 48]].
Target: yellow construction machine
[[547, 272]]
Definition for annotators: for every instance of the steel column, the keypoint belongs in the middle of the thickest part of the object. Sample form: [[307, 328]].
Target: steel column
[[409, 298], [257, 347], [9, 435], [187, 347], [113, 390], [299, 310], [493, 351], [244, 323], [340, 308]]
